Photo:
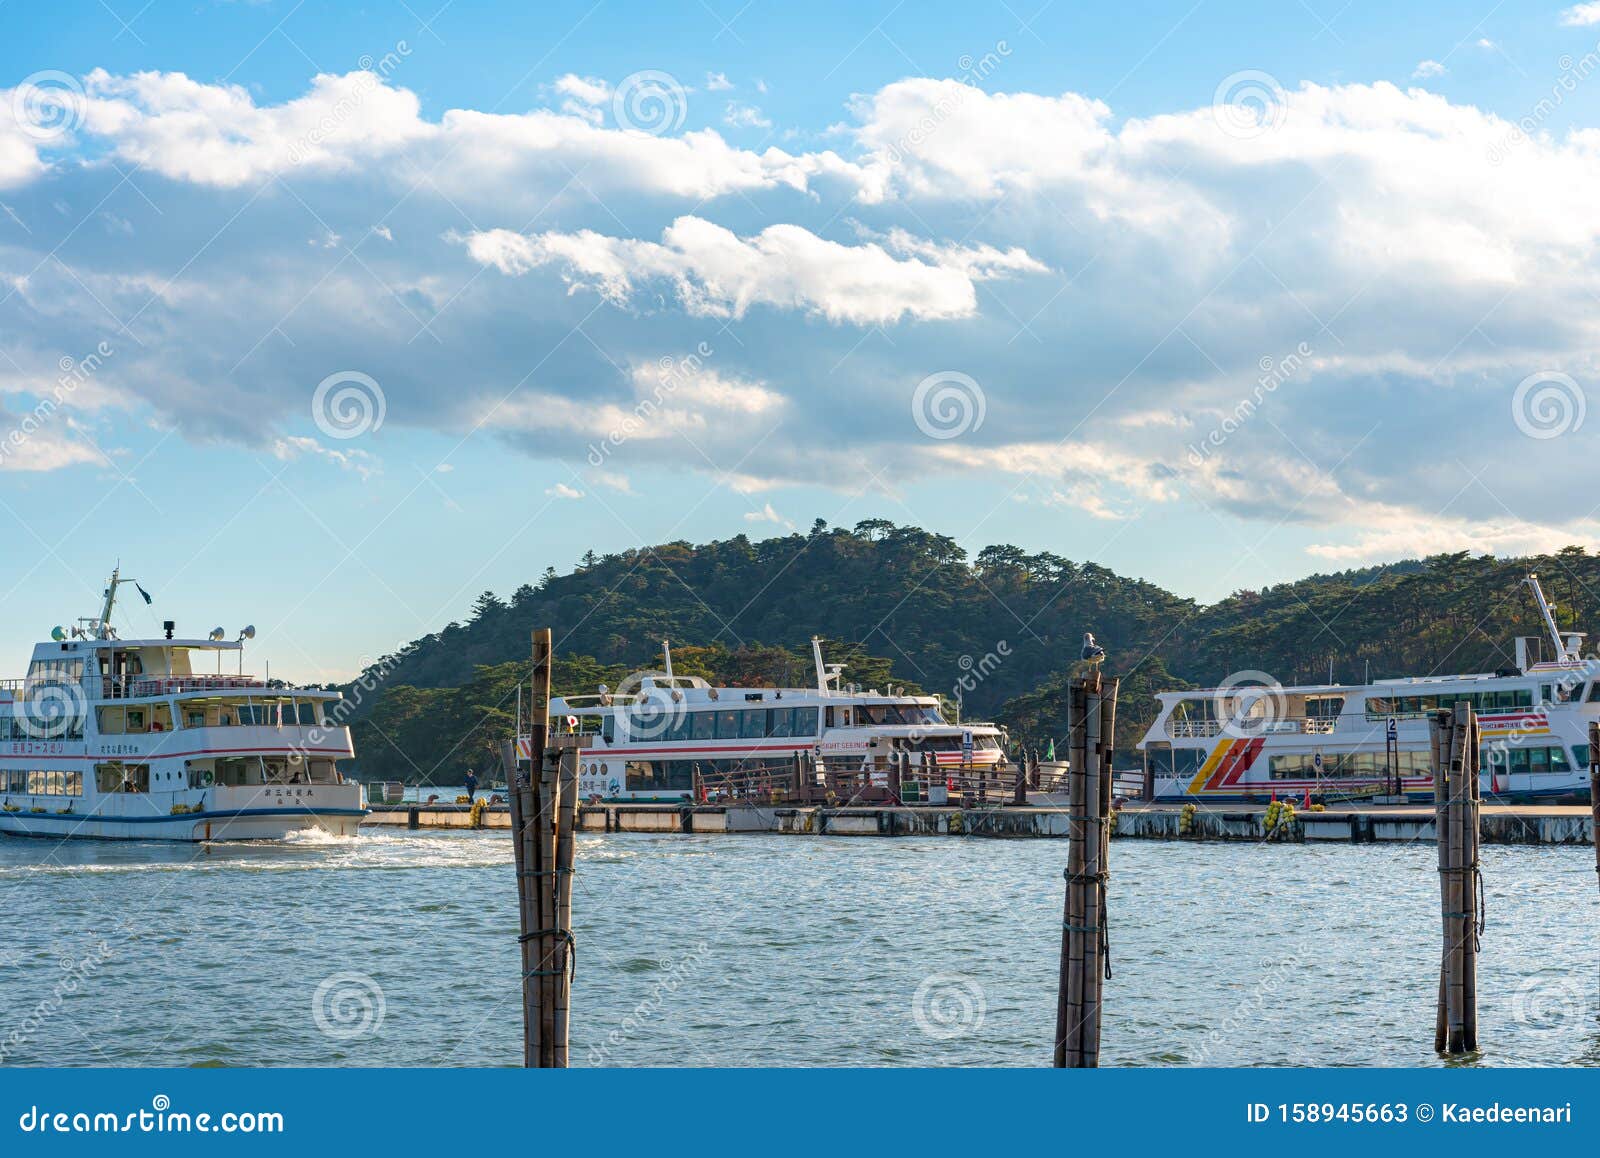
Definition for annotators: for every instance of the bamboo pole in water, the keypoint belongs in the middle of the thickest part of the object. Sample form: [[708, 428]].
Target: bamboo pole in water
[[526, 807], [1456, 762], [1594, 792], [544, 825], [1440, 753], [561, 965], [1091, 723]]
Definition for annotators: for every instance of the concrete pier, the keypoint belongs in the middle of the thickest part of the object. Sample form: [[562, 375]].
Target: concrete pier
[[1501, 823]]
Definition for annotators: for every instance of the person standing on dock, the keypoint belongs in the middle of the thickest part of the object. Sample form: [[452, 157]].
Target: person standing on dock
[[472, 785]]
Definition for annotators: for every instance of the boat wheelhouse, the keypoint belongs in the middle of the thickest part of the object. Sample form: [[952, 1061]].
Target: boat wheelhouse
[[660, 734], [149, 739], [1255, 738]]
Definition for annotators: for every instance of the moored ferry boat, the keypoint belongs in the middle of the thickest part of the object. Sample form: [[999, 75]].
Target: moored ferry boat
[[134, 739], [655, 735], [1254, 739]]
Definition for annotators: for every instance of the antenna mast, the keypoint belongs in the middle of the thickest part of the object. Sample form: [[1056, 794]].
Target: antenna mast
[[1563, 653], [103, 628]]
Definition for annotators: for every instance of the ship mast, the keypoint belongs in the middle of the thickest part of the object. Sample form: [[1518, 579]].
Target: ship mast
[[827, 674], [103, 628], [1563, 652]]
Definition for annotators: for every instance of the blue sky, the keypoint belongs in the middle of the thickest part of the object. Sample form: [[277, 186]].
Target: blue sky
[[1214, 294]]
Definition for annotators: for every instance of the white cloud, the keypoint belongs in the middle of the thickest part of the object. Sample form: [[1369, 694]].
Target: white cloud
[[292, 447], [743, 116], [1581, 15], [717, 82], [584, 97], [585, 89], [715, 273], [1485, 43], [563, 491], [1427, 68], [1112, 283], [768, 515]]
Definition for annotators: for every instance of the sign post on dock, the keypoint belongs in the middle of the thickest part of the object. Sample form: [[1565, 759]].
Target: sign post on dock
[[1085, 946], [1456, 797]]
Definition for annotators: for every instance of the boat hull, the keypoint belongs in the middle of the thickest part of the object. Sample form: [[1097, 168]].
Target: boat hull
[[194, 827]]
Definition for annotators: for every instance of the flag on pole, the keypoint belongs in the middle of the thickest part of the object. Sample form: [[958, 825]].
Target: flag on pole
[[143, 592], [1050, 752]]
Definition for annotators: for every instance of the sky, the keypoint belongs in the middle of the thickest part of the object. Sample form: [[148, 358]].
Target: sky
[[325, 318]]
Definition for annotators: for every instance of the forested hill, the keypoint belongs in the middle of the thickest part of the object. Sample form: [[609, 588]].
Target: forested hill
[[905, 594], [912, 607]]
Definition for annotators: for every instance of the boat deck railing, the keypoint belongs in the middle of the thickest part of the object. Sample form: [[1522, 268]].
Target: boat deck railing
[[135, 687], [1252, 726]]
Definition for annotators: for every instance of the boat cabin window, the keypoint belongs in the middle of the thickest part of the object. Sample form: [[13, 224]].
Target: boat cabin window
[[729, 724], [608, 728], [588, 723], [40, 725], [1165, 760], [54, 672], [1500, 701], [128, 778], [1504, 759], [1348, 765], [54, 782], [903, 715]]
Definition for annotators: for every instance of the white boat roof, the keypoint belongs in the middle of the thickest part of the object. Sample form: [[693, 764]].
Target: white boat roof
[[123, 644]]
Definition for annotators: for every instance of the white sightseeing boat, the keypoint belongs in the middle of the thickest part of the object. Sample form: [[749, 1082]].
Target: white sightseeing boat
[[654, 735], [1256, 739], [135, 739]]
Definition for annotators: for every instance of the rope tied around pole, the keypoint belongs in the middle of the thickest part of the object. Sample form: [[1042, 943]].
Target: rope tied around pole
[[1099, 880], [1479, 911], [561, 935]]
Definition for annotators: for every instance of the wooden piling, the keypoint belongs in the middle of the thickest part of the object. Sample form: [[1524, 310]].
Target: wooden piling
[[566, 812], [1456, 810], [1085, 956], [1594, 792], [542, 822]]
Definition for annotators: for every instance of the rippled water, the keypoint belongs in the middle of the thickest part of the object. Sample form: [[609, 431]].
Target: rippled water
[[773, 950]]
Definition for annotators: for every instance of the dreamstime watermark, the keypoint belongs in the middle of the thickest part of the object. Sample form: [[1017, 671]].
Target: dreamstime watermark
[[1551, 1004], [348, 404], [75, 972], [1274, 373], [74, 372], [671, 373], [48, 104], [348, 1005], [975, 671], [1571, 74], [948, 1005], [948, 404], [674, 975], [1249, 703], [160, 1118], [1548, 404], [650, 101], [1249, 104], [652, 711], [951, 98], [373, 676], [373, 72], [1262, 997], [52, 711]]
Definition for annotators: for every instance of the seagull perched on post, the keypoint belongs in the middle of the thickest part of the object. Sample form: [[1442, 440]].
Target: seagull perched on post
[[1092, 651]]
